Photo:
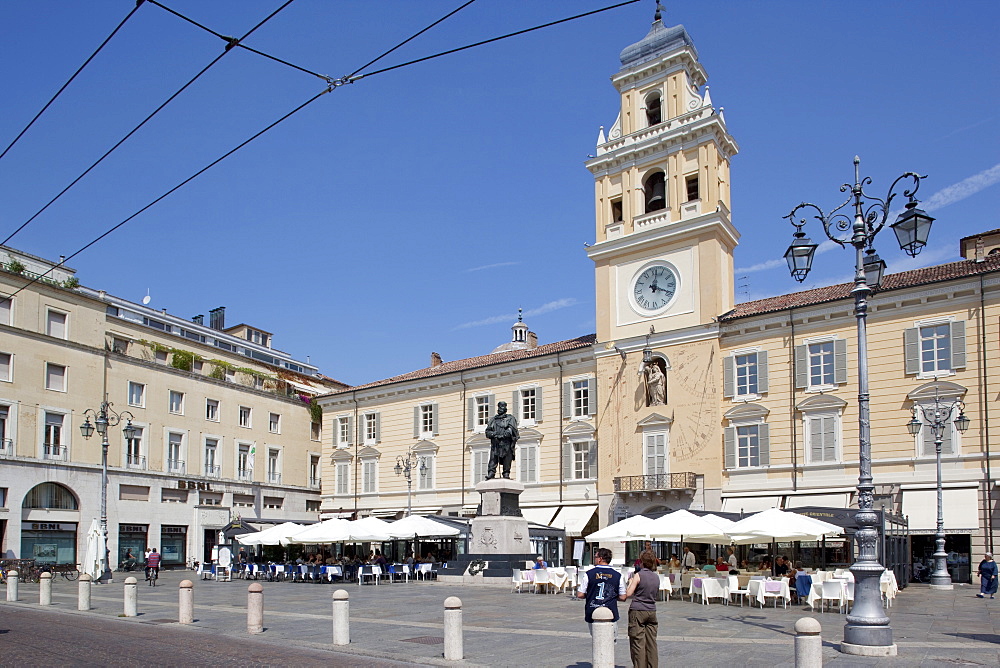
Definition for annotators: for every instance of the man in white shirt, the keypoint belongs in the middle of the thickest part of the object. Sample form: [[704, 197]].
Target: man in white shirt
[[733, 564], [689, 560]]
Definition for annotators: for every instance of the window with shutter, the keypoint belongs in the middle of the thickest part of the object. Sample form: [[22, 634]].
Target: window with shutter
[[656, 453], [927, 436], [343, 478], [748, 445], [426, 469], [801, 367], [935, 349], [729, 446], [822, 434], [527, 458], [480, 462], [369, 475]]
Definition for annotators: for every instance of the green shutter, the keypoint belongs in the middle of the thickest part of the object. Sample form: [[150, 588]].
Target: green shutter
[[728, 377], [567, 461], [729, 446], [958, 344], [416, 422], [471, 411], [911, 350], [815, 439], [538, 404], [840, 361], [378, 427], [435, 424], [830, 438], [762, 372], [492, 401], [568, 399], [593, 459], [801, 367], [350, 430], [515, 405], [592, 397], [764, 443]]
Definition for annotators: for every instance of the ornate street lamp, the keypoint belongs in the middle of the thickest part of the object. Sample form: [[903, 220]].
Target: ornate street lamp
[[105, 417], [405, 465], [937, 419], [867, 631]]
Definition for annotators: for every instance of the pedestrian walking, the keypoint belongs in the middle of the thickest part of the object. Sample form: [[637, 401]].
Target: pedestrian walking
[[602, 587], [987, 576], [642, 625]]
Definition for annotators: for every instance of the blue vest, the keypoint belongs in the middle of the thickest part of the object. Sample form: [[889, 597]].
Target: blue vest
[[603, 583]]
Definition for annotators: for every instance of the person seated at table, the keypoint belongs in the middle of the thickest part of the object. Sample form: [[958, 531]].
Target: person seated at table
[[379, 560], [674, 562], [721, 566], [745, 565], [765, 565], [793, 587], [709, 569], [410, 561], [781, 567], [539, 563]]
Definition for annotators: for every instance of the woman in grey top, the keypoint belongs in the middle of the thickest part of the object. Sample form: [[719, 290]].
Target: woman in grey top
[[642, 625]]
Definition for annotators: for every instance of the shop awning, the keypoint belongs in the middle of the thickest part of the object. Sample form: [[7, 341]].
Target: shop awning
[[540, 515], [961, 510], [573, 519], [837, 500], [750, 504]]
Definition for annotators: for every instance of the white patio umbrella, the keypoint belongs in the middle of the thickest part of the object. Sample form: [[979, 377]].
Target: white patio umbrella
[[341, 531], [682, 525], [315, 534], [779, 525], [418, 526], [620, 531], [95, 546], [271, 535]]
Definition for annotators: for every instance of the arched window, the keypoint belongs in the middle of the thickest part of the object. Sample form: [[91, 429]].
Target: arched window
[[52, 496], [656, 192], [654, 113]]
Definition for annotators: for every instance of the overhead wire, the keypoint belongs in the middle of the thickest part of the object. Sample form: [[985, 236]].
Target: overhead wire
[[332, 85], [70, 80], [140, 125]]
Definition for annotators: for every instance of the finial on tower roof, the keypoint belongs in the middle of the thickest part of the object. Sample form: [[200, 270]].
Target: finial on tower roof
[[519, 319], [659, 10]]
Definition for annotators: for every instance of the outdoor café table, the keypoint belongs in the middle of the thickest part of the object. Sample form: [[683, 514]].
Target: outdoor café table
[[558, 577], [529, 575], [755, 590], [889, 586], [708, 588], [832, 584]]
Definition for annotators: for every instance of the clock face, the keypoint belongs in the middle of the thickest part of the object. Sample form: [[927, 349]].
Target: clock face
[[654, 288]]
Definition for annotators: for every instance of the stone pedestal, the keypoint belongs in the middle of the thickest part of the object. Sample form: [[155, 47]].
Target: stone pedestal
[[499, 542]]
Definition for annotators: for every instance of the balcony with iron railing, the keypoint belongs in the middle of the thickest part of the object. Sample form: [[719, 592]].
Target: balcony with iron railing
[[656, 482], [274, 477], [135, 462], [245, 475], [175, 466], [54, 451], [315, 482], [212, 471], [6, 447]]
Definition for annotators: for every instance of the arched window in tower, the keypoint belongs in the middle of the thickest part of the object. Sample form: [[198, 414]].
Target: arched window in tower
[[654, 114], [656, 192]]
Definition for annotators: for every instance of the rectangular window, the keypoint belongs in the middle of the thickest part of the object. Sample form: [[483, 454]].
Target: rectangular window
[[176, 402], [134, 458], [427, 420], [274, 423], [136, 394], [210, 498], [656, 454], [6, 366], [273, 466], [425, 470], [748, 445], [133, 493], [245, 416], [581, 398], [212, 410], [927, 436], [371, 427], [693, 192], [54, 448], [6, 444], [343, 478], [482, 411], [528, 397], [312, 505], [316, 431], [6, 310], [173, 495], [244, 471], [242, 501], [55, 377], [175, 453], [935, 348], [212, 469], [273, 502], [527, 458], [746, 374], [822, 434], [581, 461], [55, 324], [314, 473], [369, 472], [343, 431], [821, 364], [616, 211], [480, 463]]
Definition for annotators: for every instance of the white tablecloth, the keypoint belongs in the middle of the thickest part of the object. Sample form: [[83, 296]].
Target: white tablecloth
[[832, 585], [756, 589], [709, 588]]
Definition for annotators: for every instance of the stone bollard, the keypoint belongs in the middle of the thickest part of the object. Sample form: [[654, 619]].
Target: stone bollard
[[45, 589], [11, 585], [255, 608], [83, 597], [185, 613], [603, 632], [453, 650], [808, 643], [341, 617], [131, 597]]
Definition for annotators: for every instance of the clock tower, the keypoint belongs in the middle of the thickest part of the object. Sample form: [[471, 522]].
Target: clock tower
[[664, 272]]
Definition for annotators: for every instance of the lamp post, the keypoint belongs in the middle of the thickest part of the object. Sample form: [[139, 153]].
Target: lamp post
[[867, 631], [937, 418], [405, 466], [105, 417]]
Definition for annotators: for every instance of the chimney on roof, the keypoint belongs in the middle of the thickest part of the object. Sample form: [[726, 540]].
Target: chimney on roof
[[532, 340], [217, 318], [199, 319], [435, 360]]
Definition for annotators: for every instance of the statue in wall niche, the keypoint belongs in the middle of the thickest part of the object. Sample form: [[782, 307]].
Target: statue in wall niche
[[656, 383], [502, 432]]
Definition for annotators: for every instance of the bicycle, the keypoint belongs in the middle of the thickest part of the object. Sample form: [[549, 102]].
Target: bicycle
[[152, 573]]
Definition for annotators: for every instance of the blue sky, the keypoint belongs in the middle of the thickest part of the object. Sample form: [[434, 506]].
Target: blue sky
[[417, 210]]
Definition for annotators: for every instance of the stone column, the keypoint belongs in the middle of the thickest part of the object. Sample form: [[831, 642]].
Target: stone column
[[12, 585], [131, 597], [341, 617], [808, 643], [83, 594], [45, 589], [603, 631], [453, 650], [185, 611], [255, 608]]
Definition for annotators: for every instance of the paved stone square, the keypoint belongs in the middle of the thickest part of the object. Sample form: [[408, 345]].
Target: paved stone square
[[403, 623]]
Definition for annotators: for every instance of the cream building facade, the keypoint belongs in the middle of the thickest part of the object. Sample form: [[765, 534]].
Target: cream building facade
[[223, 428]]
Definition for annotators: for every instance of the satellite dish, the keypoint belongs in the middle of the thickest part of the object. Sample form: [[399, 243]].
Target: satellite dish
[[147, 298]]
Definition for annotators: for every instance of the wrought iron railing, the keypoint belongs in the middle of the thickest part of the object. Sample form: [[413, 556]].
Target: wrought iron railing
[[175, 465], [274, 477], [645, 483], [244, 474], [212, 471], [6, 447], [135, 462], [54, 451]]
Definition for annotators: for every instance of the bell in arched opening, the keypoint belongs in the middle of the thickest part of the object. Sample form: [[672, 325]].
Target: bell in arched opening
[[656, 192]]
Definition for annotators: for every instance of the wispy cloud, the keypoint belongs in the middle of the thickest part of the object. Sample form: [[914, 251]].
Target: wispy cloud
[[548, 307], [491, 266], [963, 189], [780, 262], [966, 127]]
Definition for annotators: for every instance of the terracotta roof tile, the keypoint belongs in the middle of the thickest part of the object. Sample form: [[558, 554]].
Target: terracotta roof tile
[[904, 279], [478, 362]]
